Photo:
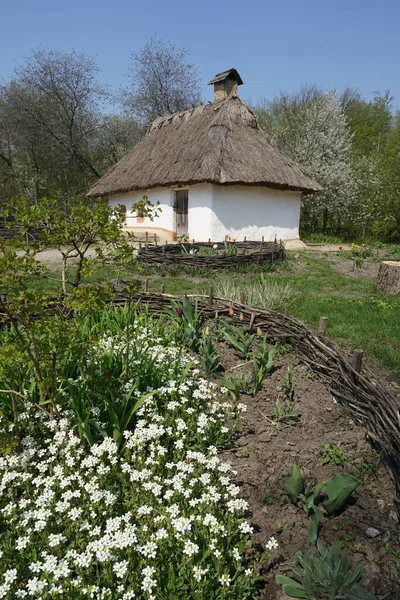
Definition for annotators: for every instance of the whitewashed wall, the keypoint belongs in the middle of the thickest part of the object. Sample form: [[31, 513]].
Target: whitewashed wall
[[255, 212], [217, 211], [200, 210], [162, 195]]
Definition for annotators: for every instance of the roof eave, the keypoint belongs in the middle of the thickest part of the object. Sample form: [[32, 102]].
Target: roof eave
[[271, 185]]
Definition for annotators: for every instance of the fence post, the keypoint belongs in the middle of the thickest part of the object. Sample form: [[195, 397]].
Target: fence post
[[356, 362], [211, 295], [242, 298], [323, 324], [146, 239], [253, 316], [146, 285], [286, 310], [162, 288]]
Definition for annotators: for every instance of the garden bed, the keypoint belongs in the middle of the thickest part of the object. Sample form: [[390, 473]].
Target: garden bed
[[266, 449], [211, 255], [151, 479]]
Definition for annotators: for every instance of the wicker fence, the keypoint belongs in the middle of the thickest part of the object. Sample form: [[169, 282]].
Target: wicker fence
[[372, 404], [189, 254], [10, 231]]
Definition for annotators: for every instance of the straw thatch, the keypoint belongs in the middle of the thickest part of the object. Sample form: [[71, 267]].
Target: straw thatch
[[216, 143]]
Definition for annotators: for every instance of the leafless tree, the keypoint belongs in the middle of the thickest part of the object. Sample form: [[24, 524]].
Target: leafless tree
[[49, 113], [162, 81]]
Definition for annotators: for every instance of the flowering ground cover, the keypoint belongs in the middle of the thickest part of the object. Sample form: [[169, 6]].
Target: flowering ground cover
[[92, 509]]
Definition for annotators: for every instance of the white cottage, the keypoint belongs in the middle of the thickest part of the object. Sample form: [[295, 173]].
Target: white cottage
[[214, 173]]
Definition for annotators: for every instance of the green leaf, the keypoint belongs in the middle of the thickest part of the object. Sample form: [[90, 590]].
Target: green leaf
[[315, 520], [339, 489], [294, 485], [294, 591], [358, 594]]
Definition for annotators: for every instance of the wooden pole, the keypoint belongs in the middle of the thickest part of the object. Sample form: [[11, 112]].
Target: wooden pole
[[147, 239], [323, 324], [242, 298], [286, 310], [253, 316], [140, 245], [356, 362], [146, 285], [211, 295], [162, 288]]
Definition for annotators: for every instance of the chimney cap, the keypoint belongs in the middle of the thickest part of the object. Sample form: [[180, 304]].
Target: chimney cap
[[229, 74]]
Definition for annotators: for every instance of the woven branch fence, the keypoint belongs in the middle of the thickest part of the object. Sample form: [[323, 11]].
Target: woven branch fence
[[372, 404], [247, 253], [10, 232]]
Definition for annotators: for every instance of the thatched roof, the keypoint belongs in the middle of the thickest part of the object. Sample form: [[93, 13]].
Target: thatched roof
[[217, 143]]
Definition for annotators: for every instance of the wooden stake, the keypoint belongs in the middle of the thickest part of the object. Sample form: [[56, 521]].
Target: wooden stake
[[242, 298], [262, 239], [356, 362], [244, 238], [146, 285], [253, 316], [140, 245], [323, 324], [286, 310], [147, 239], [162, 288], [211, 295]]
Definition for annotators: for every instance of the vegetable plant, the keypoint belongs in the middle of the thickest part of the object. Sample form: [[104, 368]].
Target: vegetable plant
[[324, 575], [338, 490]]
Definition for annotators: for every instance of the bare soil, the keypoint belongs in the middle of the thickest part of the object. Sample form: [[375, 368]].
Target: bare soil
[[265, 450]]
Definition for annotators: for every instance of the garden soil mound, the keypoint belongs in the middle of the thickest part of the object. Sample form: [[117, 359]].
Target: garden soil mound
[[265, 450]]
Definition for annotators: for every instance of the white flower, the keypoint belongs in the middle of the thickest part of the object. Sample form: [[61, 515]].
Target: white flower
[[225, 580], [190, 548], [272, 544], [198, 573], [120, 568]]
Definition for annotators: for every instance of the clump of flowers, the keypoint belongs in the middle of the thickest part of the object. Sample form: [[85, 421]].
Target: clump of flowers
[[158, 516]]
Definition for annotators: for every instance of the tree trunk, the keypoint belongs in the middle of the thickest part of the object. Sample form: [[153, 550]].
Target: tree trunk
[[388, 279]]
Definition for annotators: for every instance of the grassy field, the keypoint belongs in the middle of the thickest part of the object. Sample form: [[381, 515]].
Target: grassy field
[[314, 284], [359, 316]]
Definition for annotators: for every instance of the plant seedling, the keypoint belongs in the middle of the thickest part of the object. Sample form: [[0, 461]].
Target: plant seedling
[[287, 385], [338, 489], [324, 575]]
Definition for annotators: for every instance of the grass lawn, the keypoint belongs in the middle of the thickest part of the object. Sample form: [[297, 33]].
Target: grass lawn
[[359, 316], [320, 285]]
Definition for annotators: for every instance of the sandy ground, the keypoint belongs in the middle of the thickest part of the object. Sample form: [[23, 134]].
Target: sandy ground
[[52, 258]]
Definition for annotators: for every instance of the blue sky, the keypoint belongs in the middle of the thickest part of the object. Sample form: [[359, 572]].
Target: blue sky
[[274, 44]]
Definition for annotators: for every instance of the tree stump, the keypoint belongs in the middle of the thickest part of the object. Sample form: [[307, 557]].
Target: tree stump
[[388, 279]]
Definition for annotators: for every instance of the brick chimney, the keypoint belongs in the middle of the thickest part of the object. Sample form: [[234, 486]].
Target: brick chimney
[[226, 84]]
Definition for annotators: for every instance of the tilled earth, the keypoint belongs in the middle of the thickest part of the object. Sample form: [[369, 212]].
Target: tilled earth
[[265, 450]]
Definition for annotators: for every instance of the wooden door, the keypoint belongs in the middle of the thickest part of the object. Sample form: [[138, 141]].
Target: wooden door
[[181, 202]]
